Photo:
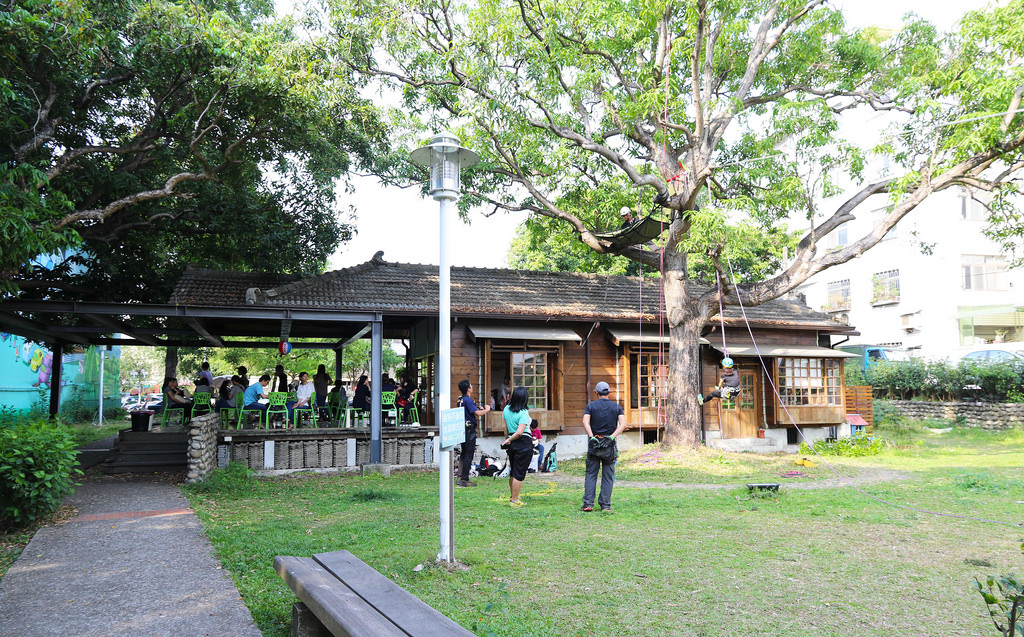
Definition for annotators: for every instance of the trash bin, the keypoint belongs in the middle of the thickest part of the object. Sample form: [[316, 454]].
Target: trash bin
[[140, 420]]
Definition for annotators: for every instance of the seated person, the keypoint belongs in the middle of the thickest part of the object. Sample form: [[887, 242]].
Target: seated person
[[303, 396], [175, 398], [228, 391], [202, 387], [251, 398], [337, 398], [387, 384], [361, 400]]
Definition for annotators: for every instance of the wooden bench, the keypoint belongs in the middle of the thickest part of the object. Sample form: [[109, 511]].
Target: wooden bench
[[348, 598]]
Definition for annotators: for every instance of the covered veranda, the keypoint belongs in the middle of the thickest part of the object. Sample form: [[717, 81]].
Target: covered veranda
[[58, 324]]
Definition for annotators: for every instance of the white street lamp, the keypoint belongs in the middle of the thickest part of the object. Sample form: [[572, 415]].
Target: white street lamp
[[445, 159]]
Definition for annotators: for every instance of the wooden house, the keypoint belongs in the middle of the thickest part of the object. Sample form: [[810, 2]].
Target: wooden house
[[559, 333]]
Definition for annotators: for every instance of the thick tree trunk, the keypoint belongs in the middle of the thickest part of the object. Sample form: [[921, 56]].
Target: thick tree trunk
[[684, 416], [171, 362], [686, 317]]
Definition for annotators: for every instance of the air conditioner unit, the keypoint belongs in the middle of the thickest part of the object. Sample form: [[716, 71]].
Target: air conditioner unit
[[911, 322]]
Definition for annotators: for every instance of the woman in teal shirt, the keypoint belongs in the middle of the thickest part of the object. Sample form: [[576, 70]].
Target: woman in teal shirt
[[519, 443]]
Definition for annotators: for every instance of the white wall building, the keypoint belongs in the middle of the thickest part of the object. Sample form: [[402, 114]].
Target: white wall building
[[934, 285]]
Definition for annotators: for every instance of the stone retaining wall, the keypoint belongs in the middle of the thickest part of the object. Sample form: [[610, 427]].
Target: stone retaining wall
[[984, 415], [202, 447]]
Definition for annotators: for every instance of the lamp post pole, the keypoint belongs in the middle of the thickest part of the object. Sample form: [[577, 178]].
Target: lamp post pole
[[445, 158]]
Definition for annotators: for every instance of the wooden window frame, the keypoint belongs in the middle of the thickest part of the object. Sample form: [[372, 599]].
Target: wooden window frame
[[821, 389]]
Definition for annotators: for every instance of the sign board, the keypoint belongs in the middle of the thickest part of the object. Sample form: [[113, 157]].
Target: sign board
[[453, 427]]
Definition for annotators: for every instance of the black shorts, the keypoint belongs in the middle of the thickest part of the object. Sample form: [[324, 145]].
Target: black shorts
[[519, 456]]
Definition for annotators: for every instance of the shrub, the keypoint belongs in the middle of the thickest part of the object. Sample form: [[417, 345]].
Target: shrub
[[854, 446], [942, 381], [37, 460], [1005, 599]]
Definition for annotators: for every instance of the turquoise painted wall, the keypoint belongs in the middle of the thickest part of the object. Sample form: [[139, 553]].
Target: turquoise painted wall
[[25, 370]]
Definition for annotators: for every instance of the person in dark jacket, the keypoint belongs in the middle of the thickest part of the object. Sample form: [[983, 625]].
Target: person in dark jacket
[[729, 387]]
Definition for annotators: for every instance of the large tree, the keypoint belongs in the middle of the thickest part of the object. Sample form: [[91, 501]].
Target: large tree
[[144, 134], [720, 112]]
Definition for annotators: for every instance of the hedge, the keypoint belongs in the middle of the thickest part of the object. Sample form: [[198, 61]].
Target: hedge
[[37, 459], [946, 382]]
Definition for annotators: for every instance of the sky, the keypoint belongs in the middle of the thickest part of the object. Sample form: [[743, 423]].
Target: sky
[[405, 225]]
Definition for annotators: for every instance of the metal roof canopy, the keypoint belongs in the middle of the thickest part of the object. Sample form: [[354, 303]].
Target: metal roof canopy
[[797, 351], [51, 324], [525, 332], [622, 334], [183, 325]]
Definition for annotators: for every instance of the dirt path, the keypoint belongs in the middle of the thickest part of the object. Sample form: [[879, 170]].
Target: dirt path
[[865, 477]]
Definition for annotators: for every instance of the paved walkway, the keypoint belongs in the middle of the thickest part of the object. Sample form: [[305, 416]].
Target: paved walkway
[[134, 562]]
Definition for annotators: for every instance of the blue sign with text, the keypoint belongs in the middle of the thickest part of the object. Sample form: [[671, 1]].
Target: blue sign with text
[[453, 427]]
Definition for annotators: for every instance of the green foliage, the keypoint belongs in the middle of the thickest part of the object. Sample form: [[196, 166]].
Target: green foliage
[[977, 481], [37, 461], [1004, 597], [373, 493], [854, 446], [854, 376], [885, 413], [147, 134], [943, 381]]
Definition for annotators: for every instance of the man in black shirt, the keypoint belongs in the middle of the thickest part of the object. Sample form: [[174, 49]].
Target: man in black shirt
[[604, 420]]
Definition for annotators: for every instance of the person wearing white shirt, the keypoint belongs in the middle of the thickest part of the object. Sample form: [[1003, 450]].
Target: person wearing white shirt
[[303, 396]]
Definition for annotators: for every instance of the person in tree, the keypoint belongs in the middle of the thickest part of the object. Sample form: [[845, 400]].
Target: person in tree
[[728, 387], [627, 217], [469, 447]]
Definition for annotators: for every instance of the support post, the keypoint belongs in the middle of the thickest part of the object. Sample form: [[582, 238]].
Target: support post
[[376, 362], [338, 360], [55, 373], [443, 383]]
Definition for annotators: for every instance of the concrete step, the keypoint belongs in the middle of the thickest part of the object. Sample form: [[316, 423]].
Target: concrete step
[[754, 445], [117, 467]]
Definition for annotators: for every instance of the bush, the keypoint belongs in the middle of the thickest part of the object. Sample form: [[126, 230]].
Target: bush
[[854, 446], [37, 461], [942, 381]]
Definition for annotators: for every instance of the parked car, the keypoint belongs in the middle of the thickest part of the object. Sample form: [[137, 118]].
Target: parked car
[[996, 353], [869, 354]]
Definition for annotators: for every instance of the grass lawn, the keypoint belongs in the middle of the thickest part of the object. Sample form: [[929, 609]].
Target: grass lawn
[[669, 561], [86, 432]]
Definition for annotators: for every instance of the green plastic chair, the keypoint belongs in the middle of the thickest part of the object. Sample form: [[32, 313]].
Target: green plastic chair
[[278, 405], [163, 421], [201, 403], [231, 413], [261, 418], [310, 408], [413, 411], [387, 404]]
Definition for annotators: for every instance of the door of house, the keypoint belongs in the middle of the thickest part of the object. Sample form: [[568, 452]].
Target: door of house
[[740, 415]]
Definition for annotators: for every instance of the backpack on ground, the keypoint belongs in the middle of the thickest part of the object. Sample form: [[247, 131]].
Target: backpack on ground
[[550, 462], [488, 465]]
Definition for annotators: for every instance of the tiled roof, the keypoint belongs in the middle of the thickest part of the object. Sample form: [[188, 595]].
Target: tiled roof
[[198, 286], [379, 286]]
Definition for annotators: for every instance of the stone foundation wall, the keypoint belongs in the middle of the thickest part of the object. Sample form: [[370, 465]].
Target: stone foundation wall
[[993, 416], [202, 447]]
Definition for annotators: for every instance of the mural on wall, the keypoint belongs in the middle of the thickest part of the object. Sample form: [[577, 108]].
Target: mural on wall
[[26, 369]]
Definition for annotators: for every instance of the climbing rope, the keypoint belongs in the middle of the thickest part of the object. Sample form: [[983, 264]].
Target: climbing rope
[[835, 472]]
